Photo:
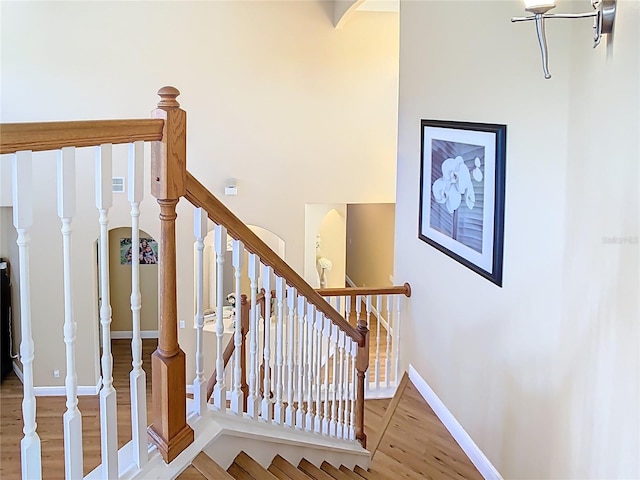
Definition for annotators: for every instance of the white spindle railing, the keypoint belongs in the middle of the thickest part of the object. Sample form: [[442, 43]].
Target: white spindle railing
[[72, 419], [237, 398], [278, 409], [219, 391], [310, 319], [290, 414], [335, 382], [137, 377], [200, 399], [317, 425], [108, 406], [353, 350], [326, 334], [301, 362], [382, 315], [22, 221], [266, 410], [254, 317]]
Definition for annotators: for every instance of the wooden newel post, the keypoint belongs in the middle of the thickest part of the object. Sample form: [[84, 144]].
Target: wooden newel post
[[169, 430], [362, 365]]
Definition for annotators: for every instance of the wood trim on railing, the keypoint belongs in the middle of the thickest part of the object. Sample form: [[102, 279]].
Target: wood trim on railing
[[351, 291], [15, 137], [199, 196]]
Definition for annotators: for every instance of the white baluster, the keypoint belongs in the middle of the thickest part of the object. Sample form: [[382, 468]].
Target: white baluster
[[368, 306], [354, 389], [22, 220], [108, 407], [387, 360], [72, 418], [301, 363], [347, 387], [278, 414], [311, 314], [266, 385], [200, 399], [396, 356], [237, 398], [219, 391], [327, 334], [347, 308], [253, 400], [341, 385], [290, 413], [377, 360], [137, 377], [335, 384], [318, 372]]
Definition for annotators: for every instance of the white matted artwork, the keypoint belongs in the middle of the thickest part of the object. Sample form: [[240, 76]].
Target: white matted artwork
[[462, 183]]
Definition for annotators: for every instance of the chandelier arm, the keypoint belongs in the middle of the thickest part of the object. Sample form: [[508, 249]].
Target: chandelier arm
[[542, 40]]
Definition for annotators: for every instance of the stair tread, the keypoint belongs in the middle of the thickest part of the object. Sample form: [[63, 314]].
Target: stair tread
[[333, 471], [349, 473], [190, 473], [253, 468], [363, 473], [314, 472], [238, 473], [288, 468], [278, 473], [208, 468]]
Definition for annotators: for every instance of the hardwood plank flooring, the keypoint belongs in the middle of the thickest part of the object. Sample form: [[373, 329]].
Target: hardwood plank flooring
[[49, 411], [415, 444]]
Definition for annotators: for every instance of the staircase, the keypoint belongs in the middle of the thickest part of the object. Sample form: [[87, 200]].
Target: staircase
[[291, 362], [246, 468]]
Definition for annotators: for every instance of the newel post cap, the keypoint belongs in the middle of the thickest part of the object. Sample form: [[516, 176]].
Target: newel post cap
[[168, 97]]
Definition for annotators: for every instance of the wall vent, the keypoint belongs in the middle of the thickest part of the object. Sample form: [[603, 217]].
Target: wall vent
[[117, 184]]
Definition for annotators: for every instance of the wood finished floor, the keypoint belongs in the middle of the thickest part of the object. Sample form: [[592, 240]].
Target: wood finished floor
[[415, 445]]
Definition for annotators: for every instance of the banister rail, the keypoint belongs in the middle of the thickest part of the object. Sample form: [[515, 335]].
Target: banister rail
[[350, 291], [16, 137], [199, 196]]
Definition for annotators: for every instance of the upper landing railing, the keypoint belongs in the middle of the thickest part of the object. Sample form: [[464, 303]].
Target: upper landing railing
[[307, 363]]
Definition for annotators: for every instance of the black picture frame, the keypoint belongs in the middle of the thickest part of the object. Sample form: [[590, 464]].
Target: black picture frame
[[462, 192]]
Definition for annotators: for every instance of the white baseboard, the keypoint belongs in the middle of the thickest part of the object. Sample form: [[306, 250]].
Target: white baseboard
[[349, 281], [59, 390], [18, 372], [129, 334], [481, 462]]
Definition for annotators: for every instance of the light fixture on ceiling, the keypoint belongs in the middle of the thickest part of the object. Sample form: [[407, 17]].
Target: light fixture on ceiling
[[604, 12]]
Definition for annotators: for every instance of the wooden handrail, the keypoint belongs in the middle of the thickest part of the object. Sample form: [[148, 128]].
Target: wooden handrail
[[199, 196], [15, 137], [351, 291]]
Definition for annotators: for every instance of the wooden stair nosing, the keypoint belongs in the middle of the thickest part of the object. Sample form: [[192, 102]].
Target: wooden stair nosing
[[208, 468], [288, 468], [349, 473], [314, 472], [333, 471], [362, 472], [252, 467], [238, 473], [276, 472]]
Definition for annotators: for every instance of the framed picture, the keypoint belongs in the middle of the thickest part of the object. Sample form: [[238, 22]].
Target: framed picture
[[462, 184], [147, 251]]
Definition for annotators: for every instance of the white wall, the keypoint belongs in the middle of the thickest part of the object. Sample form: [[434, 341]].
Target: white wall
[[542, 373], [276, 97]]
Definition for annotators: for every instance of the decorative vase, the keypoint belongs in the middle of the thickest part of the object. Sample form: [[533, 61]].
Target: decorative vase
[[323, 278]]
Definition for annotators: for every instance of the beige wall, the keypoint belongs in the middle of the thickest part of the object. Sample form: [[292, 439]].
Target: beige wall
[[120, 283], [542, 373], [276, 97], [370, 230]]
